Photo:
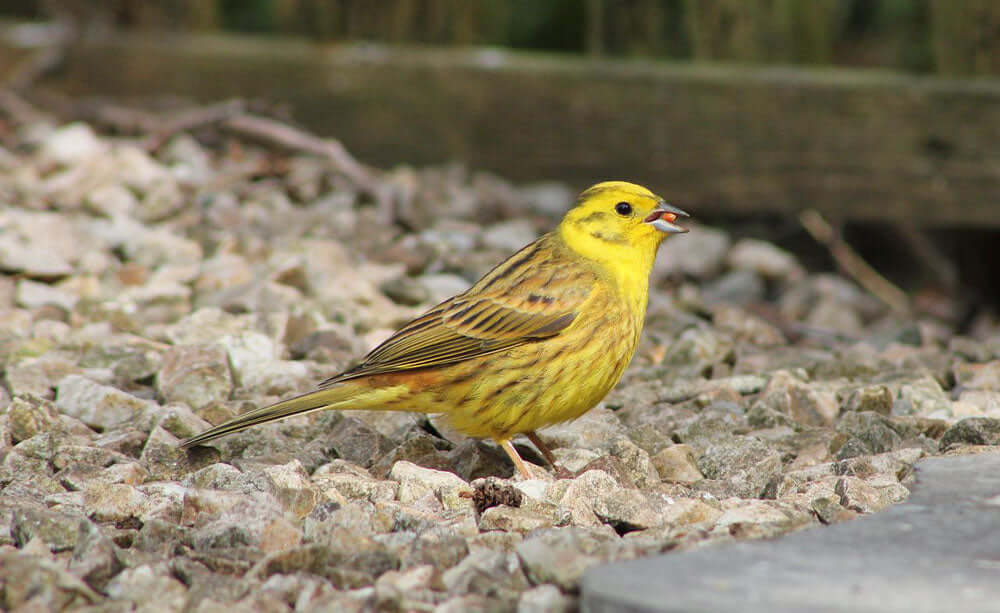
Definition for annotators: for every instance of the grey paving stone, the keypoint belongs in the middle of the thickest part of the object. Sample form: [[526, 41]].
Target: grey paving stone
[[938, 551]]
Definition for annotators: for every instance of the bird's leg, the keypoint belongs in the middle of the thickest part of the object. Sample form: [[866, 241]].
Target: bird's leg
[[518, 462], [561, 471]]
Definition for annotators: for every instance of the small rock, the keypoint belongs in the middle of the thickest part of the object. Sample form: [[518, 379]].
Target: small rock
[[95, 557], [99, 406], [197, 375], [560, 556], [71, 144], [488, 573], [39, 376], [115, 502], [636, 462], [515, 519], [677, 464], [32, 295], [416, 481], [60, 531], [255, 367], [972, 431], [327, 519], [357, 442], [164, 459], [701, 254], [829, 511], [864, 497], [978, 376], [545, 598], [405, 290], [510, 235], [352, 482], [764, 259], [739, 287], [28, 417], [688, 511], [804, 403], [760, 519], [870, 432], [875, 398], [745, 463], [180, 421], [440, 287], [923, 397], [626, 511], [32, 582], [137, 584]]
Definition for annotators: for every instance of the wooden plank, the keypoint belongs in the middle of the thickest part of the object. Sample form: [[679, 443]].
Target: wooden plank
[[719, 139]]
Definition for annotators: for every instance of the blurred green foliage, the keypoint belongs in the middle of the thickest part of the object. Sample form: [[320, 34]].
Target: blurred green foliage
[[946, 36]]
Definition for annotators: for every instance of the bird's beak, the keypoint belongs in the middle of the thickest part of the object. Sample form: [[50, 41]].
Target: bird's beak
[[663, 217]]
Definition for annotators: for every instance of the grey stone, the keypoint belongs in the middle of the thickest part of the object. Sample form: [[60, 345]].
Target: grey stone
[[701, 254], [934, 544], [560, 556], [443, 551], [764, 259], [546, 598], [740, 287], [746, 464], [978, 376], [164, 459], [72, 143], [354, 561], [39, 376], [972, 431], [197, 375], [59, 531], [677, 464], [876, 398], [405, 290], [28, 417], [443, 286], [95, 557], [871, 433], [805, 403], [35, 582], [489, 573], [923, 397], [137, 584], [415, 482], [510, 235], [97, 405]]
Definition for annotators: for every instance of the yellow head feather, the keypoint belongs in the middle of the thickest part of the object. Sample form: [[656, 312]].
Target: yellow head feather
[[613, 224]]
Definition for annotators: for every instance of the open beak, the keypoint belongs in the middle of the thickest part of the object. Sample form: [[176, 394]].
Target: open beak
[[663, 217]]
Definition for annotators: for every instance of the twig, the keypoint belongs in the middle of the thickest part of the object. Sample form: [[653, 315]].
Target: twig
[[194, 118], [853, 264], [289, 137], [929, 255], [284, 135]]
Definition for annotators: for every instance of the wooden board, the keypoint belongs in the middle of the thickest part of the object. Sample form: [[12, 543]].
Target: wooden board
[[863, 145]]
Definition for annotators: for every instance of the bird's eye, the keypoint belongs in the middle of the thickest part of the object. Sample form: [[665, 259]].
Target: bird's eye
[[623, 208]]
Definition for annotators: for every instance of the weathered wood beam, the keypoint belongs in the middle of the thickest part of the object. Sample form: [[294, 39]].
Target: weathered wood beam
[[718, 139]]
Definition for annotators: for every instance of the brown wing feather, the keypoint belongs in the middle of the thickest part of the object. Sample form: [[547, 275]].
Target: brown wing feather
[[533, 295]]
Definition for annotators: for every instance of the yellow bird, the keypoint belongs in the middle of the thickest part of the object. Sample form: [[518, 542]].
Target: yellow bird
[[539, 340]]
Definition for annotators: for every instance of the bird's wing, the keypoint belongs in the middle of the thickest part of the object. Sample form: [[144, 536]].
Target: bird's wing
[[507, 308]]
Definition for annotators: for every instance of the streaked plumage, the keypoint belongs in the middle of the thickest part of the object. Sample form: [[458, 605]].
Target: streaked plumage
[[540, 339]]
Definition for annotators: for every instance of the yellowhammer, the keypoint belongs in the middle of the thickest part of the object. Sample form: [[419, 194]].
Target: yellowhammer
[[539, 340]]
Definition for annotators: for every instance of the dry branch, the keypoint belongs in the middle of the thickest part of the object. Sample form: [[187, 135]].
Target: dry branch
[[853, 264]]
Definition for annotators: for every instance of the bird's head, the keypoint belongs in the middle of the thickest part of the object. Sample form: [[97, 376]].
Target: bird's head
[[619, 222]]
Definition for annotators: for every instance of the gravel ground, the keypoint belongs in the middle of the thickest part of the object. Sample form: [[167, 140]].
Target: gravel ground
[[145, 297]]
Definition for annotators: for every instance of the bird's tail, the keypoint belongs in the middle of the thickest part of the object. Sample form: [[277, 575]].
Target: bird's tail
[[341, 396]]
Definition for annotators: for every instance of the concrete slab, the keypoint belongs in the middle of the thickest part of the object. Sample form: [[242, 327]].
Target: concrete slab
[[938, 551]]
